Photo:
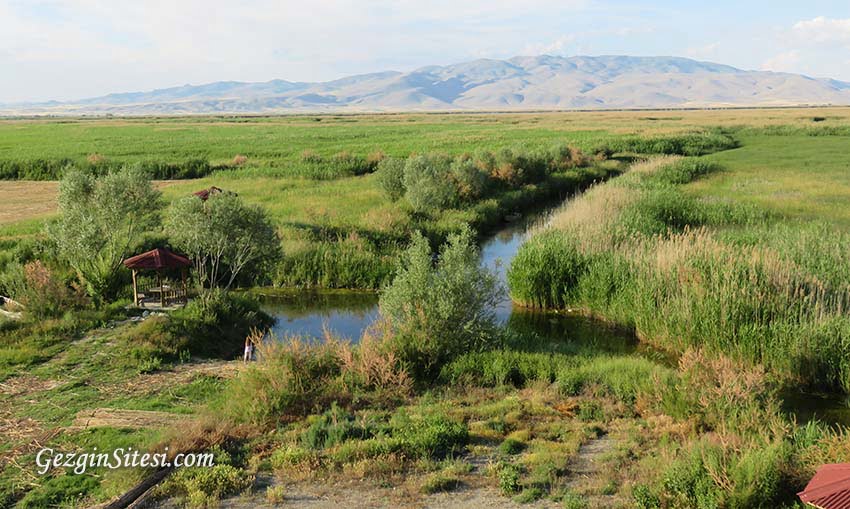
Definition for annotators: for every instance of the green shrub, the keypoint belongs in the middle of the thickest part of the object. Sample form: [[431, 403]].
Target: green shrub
[[590, 411], [342, 164], [693, 144], [336, 264], [289, 456], [644, 498], [686, 170], [529, 495], [622, 377], [214, 328], [276, 494], [509, 478], [439, 482], [203, 487], [56, 169], [435, 313], [429, 436], [511, 446], [470, 181], [39, 290], [572, 500], [426, 183], [292, 379], [390, 175], [333, 427]]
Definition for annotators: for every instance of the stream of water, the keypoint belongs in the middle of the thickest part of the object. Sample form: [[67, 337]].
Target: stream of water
[[347, 314]]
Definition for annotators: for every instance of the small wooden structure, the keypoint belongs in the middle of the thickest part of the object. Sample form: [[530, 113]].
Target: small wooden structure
[[159, 260], [829, 488]]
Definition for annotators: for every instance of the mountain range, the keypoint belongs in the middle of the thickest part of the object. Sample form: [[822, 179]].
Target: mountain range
[[520, 83]]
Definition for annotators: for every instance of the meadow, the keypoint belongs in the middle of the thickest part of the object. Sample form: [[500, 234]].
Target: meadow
[[716, 236]]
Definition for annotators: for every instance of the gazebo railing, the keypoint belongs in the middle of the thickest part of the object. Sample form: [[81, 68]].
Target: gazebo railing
[[150, 292]]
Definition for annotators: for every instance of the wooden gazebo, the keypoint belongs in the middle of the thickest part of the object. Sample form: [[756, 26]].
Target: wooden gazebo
[[159, 260], [829, 488]]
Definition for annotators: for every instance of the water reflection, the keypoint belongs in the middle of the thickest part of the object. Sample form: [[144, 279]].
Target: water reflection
[[310, 313]]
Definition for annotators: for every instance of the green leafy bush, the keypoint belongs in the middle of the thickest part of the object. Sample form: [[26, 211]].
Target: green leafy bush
[[333, 427], [390, 175], [204, 487], [509, 478], [100, 220], [215, 327], [470, 181], [437, 312], [439, 482], [227, 240], [511, 446], [426, 181], [429, 436]]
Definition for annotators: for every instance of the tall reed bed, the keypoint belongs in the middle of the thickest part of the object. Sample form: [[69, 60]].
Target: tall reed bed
[[687, 272], [54, 169]]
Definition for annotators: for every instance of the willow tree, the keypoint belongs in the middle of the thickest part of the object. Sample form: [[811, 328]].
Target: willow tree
[[225, 238], [100, 219]]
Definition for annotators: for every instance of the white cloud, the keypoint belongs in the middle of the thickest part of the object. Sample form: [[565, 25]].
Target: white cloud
[[788, 61], [560, 46], [823, 30]]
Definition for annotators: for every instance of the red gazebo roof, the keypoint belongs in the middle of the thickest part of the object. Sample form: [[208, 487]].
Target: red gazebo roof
[[829, 488], [204, 194], [157, 259]]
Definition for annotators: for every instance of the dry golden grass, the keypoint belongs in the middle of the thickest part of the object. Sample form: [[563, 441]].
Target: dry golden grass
[[24, 200]]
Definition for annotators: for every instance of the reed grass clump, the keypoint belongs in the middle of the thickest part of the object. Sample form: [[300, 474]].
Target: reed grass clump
[[687, 144], [686, 272], [55, 169]]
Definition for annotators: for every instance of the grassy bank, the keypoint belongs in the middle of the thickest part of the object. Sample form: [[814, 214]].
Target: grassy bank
[[688, 270]]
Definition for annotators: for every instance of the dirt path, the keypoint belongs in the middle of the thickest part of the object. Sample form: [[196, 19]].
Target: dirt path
[[587, 472], [368, 494], [119, 418], [589, 461]]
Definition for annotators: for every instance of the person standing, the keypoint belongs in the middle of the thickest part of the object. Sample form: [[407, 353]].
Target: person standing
[[249, 350]]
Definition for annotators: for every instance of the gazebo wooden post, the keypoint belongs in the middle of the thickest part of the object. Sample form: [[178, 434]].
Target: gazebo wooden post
[[161, 293], [185, 290], [135, 290]]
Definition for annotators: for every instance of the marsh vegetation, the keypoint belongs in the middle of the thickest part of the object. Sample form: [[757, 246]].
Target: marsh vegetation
[[693, 233]]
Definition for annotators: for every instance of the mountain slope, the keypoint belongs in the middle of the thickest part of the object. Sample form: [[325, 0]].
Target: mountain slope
[[541, 82]]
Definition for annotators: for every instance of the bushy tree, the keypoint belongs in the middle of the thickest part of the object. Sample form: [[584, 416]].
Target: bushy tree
[[470, 181], [100, 218], [390, 175], [437, 311], [225, 238], [428, 183]]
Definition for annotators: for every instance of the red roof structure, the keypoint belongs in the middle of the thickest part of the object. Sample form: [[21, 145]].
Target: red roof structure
[[829, 488], [157, 259], [204, 194]]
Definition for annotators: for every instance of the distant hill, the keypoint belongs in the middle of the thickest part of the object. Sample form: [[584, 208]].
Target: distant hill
[[520, 83]]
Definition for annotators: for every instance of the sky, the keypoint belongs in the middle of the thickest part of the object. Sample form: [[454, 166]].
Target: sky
[[71, 49]]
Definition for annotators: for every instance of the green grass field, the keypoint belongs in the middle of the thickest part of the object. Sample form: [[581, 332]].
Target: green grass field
[[801, 177], [735, 262]]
